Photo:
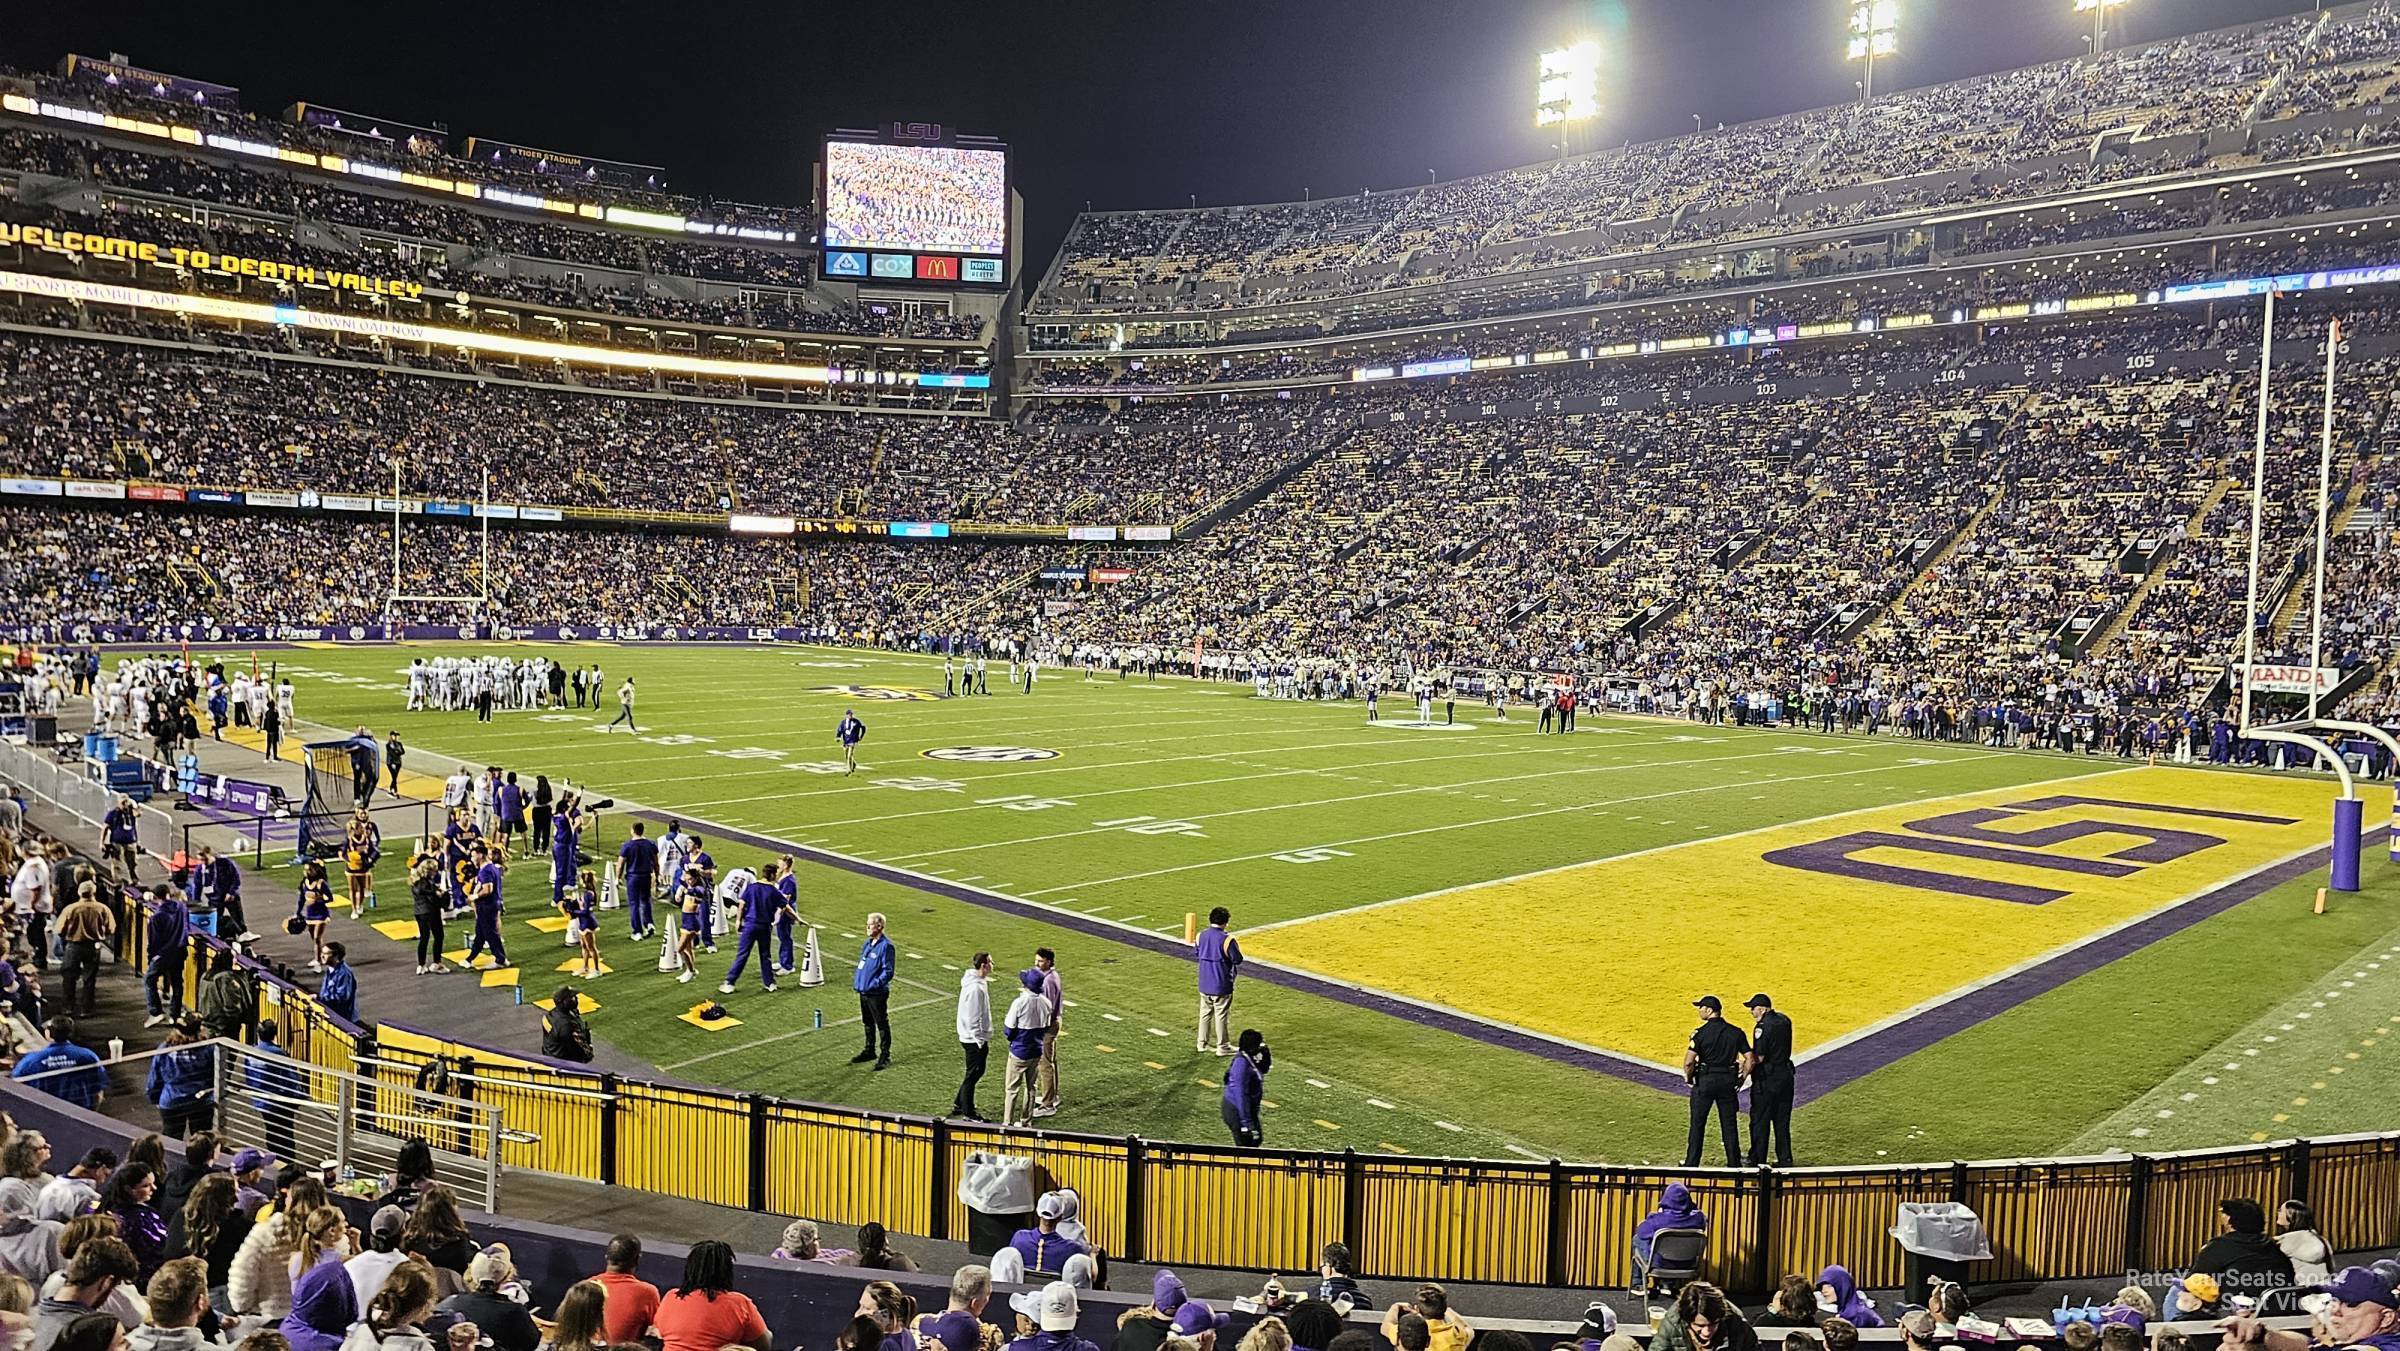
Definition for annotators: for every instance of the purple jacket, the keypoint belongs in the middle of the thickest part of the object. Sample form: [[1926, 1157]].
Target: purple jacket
[[1244, 1085], [1220, 957], [324, 1305], [1675, 1211]]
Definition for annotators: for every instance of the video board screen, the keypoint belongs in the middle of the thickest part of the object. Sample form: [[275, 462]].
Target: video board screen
[[919, 212]]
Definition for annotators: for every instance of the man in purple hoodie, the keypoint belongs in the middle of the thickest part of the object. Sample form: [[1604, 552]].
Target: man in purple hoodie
[[167, 933], [1675, 1211], [1245, 1087], [1220, 959]]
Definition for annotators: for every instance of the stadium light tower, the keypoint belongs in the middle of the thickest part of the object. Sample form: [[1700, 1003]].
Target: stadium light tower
[[2099, 11], [1567, 92], [1874, 34]]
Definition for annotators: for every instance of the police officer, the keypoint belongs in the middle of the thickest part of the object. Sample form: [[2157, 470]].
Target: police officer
[[1712, 1065], [1770, 1068]]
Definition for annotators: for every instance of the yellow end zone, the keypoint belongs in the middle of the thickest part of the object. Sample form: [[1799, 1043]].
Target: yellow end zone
[[1847, 921]]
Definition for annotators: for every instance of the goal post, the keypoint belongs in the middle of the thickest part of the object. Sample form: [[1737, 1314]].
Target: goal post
[[479, 601]]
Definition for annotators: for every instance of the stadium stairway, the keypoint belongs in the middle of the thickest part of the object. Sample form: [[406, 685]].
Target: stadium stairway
[[2160, 558], [1940, 554]]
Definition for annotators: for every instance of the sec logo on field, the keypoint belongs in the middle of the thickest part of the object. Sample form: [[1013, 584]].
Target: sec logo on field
[[882, 692], [989, 754]]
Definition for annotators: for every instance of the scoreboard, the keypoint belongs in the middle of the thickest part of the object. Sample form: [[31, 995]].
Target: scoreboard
[[913, 207]]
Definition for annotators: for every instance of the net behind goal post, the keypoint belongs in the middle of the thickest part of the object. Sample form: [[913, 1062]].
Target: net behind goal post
[[333, 770]]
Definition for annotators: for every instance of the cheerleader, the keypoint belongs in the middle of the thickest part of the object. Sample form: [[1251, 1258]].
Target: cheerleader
[[316, 907], [362, 845], [584, 913]]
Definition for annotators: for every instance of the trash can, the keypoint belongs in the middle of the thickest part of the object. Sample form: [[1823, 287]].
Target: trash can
[[998, 1191], [1941, 1238]]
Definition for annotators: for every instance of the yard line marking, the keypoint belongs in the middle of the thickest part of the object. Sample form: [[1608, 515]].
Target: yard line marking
[[1103, 826], [1111, 1050], [1609, 858], [1489, 821], [1129, 919], [1448, 1127], [1112, 1017], [1156, 1031], [1389, 1148], [1520, 1149], [1327, 1124], [1154, 1064], [1378, 1102], [830, 1023], [1318, 1083]]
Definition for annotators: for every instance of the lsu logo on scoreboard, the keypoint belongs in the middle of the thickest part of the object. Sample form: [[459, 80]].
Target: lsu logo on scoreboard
[[2040, 834]]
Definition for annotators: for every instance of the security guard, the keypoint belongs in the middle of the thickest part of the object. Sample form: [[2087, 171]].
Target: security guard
[[1771, 1077], [1712, 1065]]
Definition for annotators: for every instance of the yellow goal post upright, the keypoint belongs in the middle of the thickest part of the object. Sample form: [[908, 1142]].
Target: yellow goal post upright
[[2307, 732]]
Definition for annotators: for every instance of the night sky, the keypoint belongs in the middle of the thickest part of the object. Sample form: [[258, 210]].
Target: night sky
[[1127, 103]]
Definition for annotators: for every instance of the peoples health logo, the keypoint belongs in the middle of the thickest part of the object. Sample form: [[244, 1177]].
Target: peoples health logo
[[883, 693], [990, 755]]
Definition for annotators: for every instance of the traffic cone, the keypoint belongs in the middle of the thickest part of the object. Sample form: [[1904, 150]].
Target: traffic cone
[[812, 962]]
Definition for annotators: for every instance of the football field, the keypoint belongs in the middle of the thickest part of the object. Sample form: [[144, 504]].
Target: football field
[[1464, 938]]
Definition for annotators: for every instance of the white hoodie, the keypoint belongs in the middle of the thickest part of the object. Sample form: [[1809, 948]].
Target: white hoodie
[[974, 1008]]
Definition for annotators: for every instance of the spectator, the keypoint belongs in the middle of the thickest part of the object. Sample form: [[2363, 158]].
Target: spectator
[[1917, 1330], [1147, 1327], [1675, 1211], [1008, 1267], [2365, 1312], [77, 1191], [1220, 960], [2296, 1234], [876, 1253], [1337, 1280], [22, 1180], [1702, 1319], [182, 1082], [1053, 1311], [487, 1304], [211, 1227], [260, 1280], [1794, 1306], [383, 1256], [412, 1173], [705, 1312], [1043, 1247], [974, 1025], [1948, 1303], [178, 1297], [149, 1150], [581, 1319], [125, 1302], [1313, 1324], [29, 1247], [1245, 1089], [1837, 1295], [99, 1269], [436, 1233], [893, 1312], [631, 1301], [91, 1332], [801, 1244], [395, 1316], [199, 1161], [1445, 1328], [253, 1187], [1840, 1334], [74, 1071], [1197, 1321], [228, 1000], [959, 1327], [128, 1197], [1270, 1334], [2241, 1256]]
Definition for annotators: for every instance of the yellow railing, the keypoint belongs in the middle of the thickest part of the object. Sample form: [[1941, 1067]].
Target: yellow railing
[[1404, 1217]]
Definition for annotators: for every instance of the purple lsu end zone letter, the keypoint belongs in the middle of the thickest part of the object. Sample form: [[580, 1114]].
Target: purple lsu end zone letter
[[1968, 834]]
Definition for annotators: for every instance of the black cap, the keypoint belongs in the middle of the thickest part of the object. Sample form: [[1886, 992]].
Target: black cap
[[1709, 1001], [1758, 1001]]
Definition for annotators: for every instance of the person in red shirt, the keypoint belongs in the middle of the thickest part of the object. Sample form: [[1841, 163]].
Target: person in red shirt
[[632, 1302], [706, 1313]]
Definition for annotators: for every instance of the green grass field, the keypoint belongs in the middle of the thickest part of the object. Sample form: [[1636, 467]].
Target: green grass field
[[1132, 803]]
